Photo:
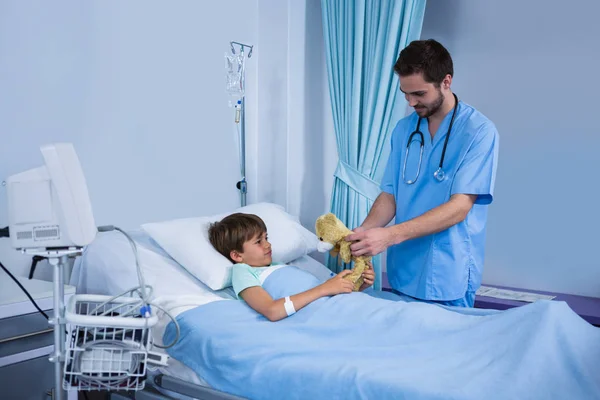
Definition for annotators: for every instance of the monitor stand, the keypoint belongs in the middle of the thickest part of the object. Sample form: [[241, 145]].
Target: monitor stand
[[58, 258]]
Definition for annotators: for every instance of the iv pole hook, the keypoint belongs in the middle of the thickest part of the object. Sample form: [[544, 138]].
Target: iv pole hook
[[242, 45]]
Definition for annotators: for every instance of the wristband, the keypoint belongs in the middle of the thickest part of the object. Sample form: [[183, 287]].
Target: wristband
[[289, 306]]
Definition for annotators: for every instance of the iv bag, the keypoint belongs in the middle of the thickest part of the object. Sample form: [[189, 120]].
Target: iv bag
[[234, 66]]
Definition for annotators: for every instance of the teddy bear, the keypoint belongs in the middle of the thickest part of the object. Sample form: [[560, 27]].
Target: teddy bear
[[331, 233]]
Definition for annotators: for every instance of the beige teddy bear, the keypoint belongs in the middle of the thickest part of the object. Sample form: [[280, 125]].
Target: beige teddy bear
[[331, 232]]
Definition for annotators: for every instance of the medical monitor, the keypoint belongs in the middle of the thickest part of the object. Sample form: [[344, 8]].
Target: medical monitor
[[49, 206]]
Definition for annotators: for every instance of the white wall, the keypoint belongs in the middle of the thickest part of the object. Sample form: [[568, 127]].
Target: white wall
[[296, 150], [312, 152], [539, 236], [531, 66], [139, 88]]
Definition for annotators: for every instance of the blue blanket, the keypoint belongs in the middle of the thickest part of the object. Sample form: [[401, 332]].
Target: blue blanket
[[358, 346]]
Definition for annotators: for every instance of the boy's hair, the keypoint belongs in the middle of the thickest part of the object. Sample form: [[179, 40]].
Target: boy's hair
[[233, 231], [428, 57]]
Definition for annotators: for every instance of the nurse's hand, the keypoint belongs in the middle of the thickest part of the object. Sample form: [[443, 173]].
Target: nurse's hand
[[369, 242]]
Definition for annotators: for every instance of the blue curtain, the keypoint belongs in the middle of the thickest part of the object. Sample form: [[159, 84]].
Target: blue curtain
[[362, 42]]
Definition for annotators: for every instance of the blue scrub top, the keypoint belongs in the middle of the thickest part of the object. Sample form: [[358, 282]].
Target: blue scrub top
[[442, 266]]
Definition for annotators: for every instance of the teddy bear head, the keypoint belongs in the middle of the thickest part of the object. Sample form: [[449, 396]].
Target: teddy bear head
[[330, 230]]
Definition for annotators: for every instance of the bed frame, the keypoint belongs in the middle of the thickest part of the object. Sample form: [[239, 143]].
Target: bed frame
[[159, 386], [192, 391]]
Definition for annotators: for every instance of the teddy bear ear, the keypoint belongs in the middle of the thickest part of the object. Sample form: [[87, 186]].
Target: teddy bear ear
[[330, 217]]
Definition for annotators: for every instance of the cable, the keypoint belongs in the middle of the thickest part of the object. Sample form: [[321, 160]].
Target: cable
[[34, 261], [141, 291], [133, 245], [110, 300], [102, 346], [176, 328], [134, 344], [24, 290], [144, 295]]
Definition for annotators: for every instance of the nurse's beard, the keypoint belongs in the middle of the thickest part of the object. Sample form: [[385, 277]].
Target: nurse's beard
[[435, 106]]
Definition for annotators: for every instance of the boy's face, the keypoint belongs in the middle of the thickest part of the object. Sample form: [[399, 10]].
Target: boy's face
[[256, 252]]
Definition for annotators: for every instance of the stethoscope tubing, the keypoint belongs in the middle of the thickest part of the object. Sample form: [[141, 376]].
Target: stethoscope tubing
[[439, 174]]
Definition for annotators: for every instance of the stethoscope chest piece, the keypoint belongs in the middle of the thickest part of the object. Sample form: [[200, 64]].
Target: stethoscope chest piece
[[439, 174]]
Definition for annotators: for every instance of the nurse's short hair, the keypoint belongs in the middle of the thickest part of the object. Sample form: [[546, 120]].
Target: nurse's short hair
[[233, 231], [428, 57]]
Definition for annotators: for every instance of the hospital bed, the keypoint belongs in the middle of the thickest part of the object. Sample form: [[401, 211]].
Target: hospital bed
[[106, 268], [364, 345]]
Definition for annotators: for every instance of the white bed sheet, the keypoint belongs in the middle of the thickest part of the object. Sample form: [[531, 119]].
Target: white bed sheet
[[107, 267]]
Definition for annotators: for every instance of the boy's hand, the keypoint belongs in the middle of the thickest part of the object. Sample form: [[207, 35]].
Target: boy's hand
[[338, 284], [368, 276]]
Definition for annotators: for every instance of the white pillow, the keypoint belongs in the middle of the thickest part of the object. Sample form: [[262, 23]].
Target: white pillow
[[186, 241]]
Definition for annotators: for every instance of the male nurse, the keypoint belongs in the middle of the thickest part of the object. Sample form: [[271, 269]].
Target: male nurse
[[438, 184]]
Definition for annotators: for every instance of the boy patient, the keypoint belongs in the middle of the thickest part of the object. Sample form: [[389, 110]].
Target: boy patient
[[242, 239]]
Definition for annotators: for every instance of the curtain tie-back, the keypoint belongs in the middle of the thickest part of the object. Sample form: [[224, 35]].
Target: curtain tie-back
[[361, 183]]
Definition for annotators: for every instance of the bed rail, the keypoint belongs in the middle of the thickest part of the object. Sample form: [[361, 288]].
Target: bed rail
[[192, 390]]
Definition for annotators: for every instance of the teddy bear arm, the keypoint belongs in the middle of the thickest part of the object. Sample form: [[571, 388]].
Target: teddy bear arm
[[345, 251], [356, 278], [335, 251]]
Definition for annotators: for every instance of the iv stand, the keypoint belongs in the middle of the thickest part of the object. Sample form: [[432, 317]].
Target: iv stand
[[242, 185], [240, 118], [58, 259]]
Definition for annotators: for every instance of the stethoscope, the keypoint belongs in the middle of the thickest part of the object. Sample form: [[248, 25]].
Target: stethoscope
[[439, 173]]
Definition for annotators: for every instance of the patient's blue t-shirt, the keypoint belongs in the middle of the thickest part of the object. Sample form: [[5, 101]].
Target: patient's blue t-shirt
[[244, 276]]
